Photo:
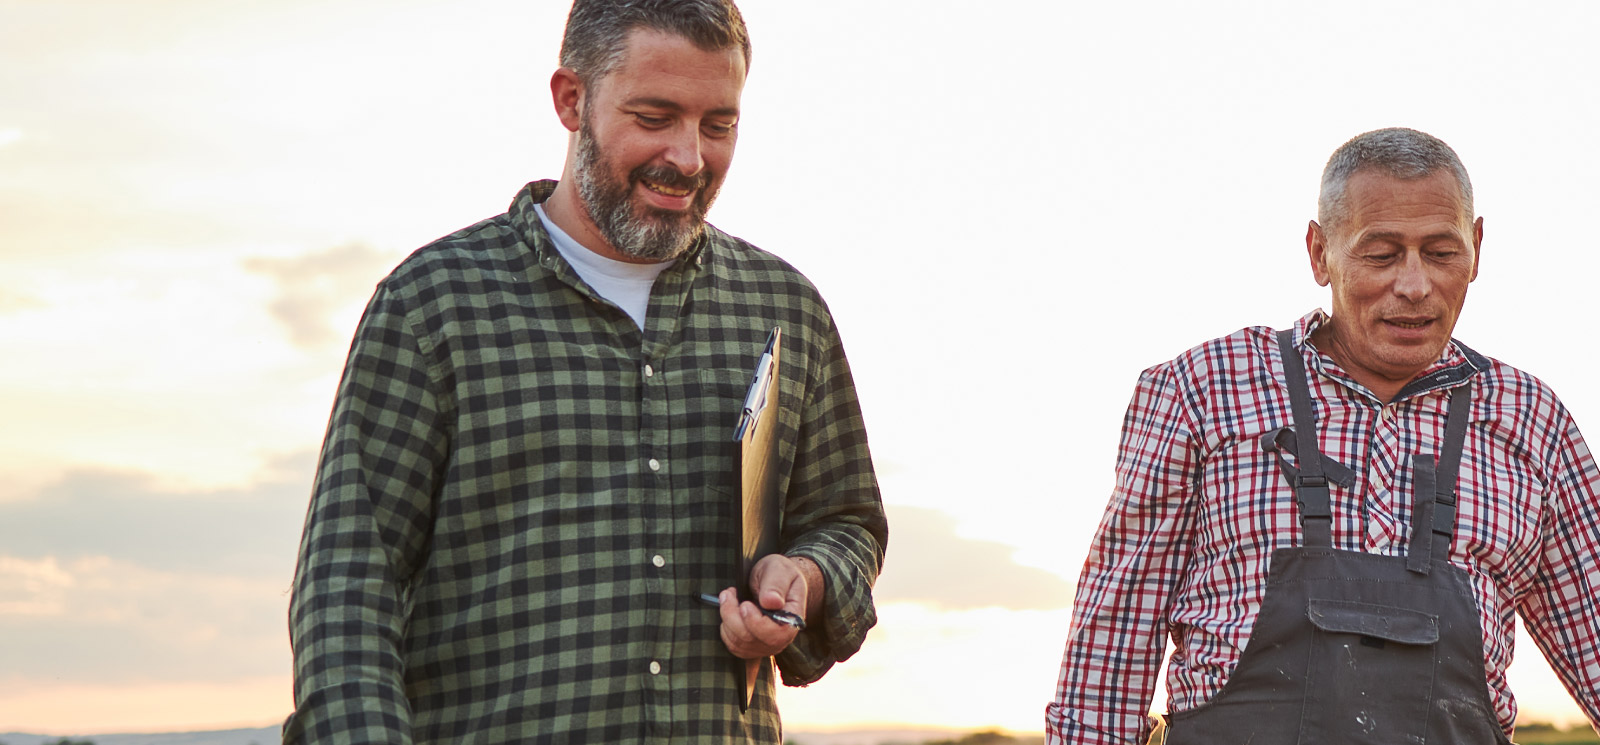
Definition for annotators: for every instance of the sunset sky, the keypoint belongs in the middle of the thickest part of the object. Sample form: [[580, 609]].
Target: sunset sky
[[1012, 208]]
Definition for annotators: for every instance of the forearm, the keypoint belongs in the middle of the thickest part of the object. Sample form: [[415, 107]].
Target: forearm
[[1562, 614], [833, 517], [345, 622], [366, 530], [1138, 556], [846, 557]]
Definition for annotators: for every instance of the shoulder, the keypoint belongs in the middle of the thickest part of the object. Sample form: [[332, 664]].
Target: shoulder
[[746, 276], [744, 264], [1249, 352], [1502, 376], [486, 249], [476, 267], [1230, 373], [1505, 393]]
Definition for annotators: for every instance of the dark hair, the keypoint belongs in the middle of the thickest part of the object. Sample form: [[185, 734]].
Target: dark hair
[[597, 30]]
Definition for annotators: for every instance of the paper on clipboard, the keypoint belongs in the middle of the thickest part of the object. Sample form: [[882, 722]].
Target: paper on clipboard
[[758, 453], [759, 503]]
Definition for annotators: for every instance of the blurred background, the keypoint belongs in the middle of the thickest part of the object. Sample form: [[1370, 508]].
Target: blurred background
[[1012, 207]]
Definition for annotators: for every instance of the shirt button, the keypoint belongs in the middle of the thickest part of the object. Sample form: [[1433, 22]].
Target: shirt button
[[655, 668], [658, 560], [655, 465], [649, 371]]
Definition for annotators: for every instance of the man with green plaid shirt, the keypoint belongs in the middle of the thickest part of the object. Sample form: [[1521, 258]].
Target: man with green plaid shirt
[[529, 474]]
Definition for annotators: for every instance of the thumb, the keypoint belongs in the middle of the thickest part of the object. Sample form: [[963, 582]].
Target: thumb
[[799, 593], [771, 598]]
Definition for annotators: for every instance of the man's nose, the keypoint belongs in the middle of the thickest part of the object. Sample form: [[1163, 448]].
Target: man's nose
[[684, 152], [1413, 282]]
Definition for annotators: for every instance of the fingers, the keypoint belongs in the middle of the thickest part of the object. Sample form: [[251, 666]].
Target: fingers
[[779, 583], [747, 632]]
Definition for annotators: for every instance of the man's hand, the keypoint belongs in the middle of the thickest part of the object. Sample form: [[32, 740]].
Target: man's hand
[[779, 582]]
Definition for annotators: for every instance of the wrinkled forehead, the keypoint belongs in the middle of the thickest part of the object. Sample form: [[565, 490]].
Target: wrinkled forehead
[[1439, 182], [1436, 199]]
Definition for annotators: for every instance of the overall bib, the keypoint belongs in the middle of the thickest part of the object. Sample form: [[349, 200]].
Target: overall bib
[[1351, 648]]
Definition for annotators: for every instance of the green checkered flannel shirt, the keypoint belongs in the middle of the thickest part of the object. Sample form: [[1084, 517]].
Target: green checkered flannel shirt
[[520, 491]]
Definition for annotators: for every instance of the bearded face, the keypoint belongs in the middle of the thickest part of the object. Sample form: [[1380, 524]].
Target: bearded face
[[635, 229]]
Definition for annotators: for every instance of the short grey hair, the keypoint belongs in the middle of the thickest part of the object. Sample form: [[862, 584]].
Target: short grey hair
[[1401, 153], [597, 30]]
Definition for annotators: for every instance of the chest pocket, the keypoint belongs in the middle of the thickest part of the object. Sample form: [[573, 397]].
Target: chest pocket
[[1372, 667], [724, 390], [1378, 622]]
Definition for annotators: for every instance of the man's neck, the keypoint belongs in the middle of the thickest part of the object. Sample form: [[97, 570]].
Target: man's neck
[[1329, 343], [568, 212]]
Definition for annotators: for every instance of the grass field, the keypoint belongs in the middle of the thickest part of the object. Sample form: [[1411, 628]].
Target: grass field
[[1544, 734]]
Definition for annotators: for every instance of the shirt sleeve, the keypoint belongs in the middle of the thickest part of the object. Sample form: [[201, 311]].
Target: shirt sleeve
[[1563, 610], [365, 535], [1119, 619], [834, 516]]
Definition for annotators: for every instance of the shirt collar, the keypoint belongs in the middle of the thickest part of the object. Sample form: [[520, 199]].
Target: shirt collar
[[1456, 364]]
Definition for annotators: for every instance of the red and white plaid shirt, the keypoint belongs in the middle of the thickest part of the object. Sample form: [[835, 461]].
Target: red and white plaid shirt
[[1199, 507]]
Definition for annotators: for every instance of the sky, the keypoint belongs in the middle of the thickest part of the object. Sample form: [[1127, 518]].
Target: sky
[[1011, 207]]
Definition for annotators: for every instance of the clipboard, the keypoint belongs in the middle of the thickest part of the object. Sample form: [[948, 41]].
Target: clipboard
[[758, 455], [760, 508]]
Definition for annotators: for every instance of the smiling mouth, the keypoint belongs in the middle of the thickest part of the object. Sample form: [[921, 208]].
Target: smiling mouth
[[663, 189], [1409, 324]]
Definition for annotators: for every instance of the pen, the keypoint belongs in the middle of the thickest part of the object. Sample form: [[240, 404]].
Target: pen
[[781, 616], [755, 400]]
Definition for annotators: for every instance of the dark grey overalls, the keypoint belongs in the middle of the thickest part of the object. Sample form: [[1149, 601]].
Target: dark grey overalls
[[1349, 647]]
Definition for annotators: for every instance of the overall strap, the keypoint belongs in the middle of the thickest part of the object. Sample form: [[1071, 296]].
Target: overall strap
[[1310, 481], [1433, 501]]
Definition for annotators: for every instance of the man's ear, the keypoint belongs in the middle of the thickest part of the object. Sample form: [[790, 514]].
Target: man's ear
[[1477, 246], [567, 93], [1317, 250]]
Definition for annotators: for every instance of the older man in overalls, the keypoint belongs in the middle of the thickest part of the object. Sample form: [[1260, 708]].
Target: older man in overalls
[[1336, 524]]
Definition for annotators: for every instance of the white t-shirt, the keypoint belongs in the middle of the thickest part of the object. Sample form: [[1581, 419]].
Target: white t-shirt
[[626, 284]]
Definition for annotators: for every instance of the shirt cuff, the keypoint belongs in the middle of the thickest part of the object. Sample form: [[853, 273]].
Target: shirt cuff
[[847, 614], [355, 712], [1062, 728]]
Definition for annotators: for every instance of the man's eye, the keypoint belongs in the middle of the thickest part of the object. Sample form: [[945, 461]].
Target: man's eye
[[651, 121], [720, 130]]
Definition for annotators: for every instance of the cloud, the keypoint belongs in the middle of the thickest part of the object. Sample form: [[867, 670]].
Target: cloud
[[108, 578], [313, 287], [98, 619], [129, 517], [929, 563], [32, 588]]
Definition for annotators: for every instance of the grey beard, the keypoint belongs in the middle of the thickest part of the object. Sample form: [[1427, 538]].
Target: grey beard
[[664, 238]]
